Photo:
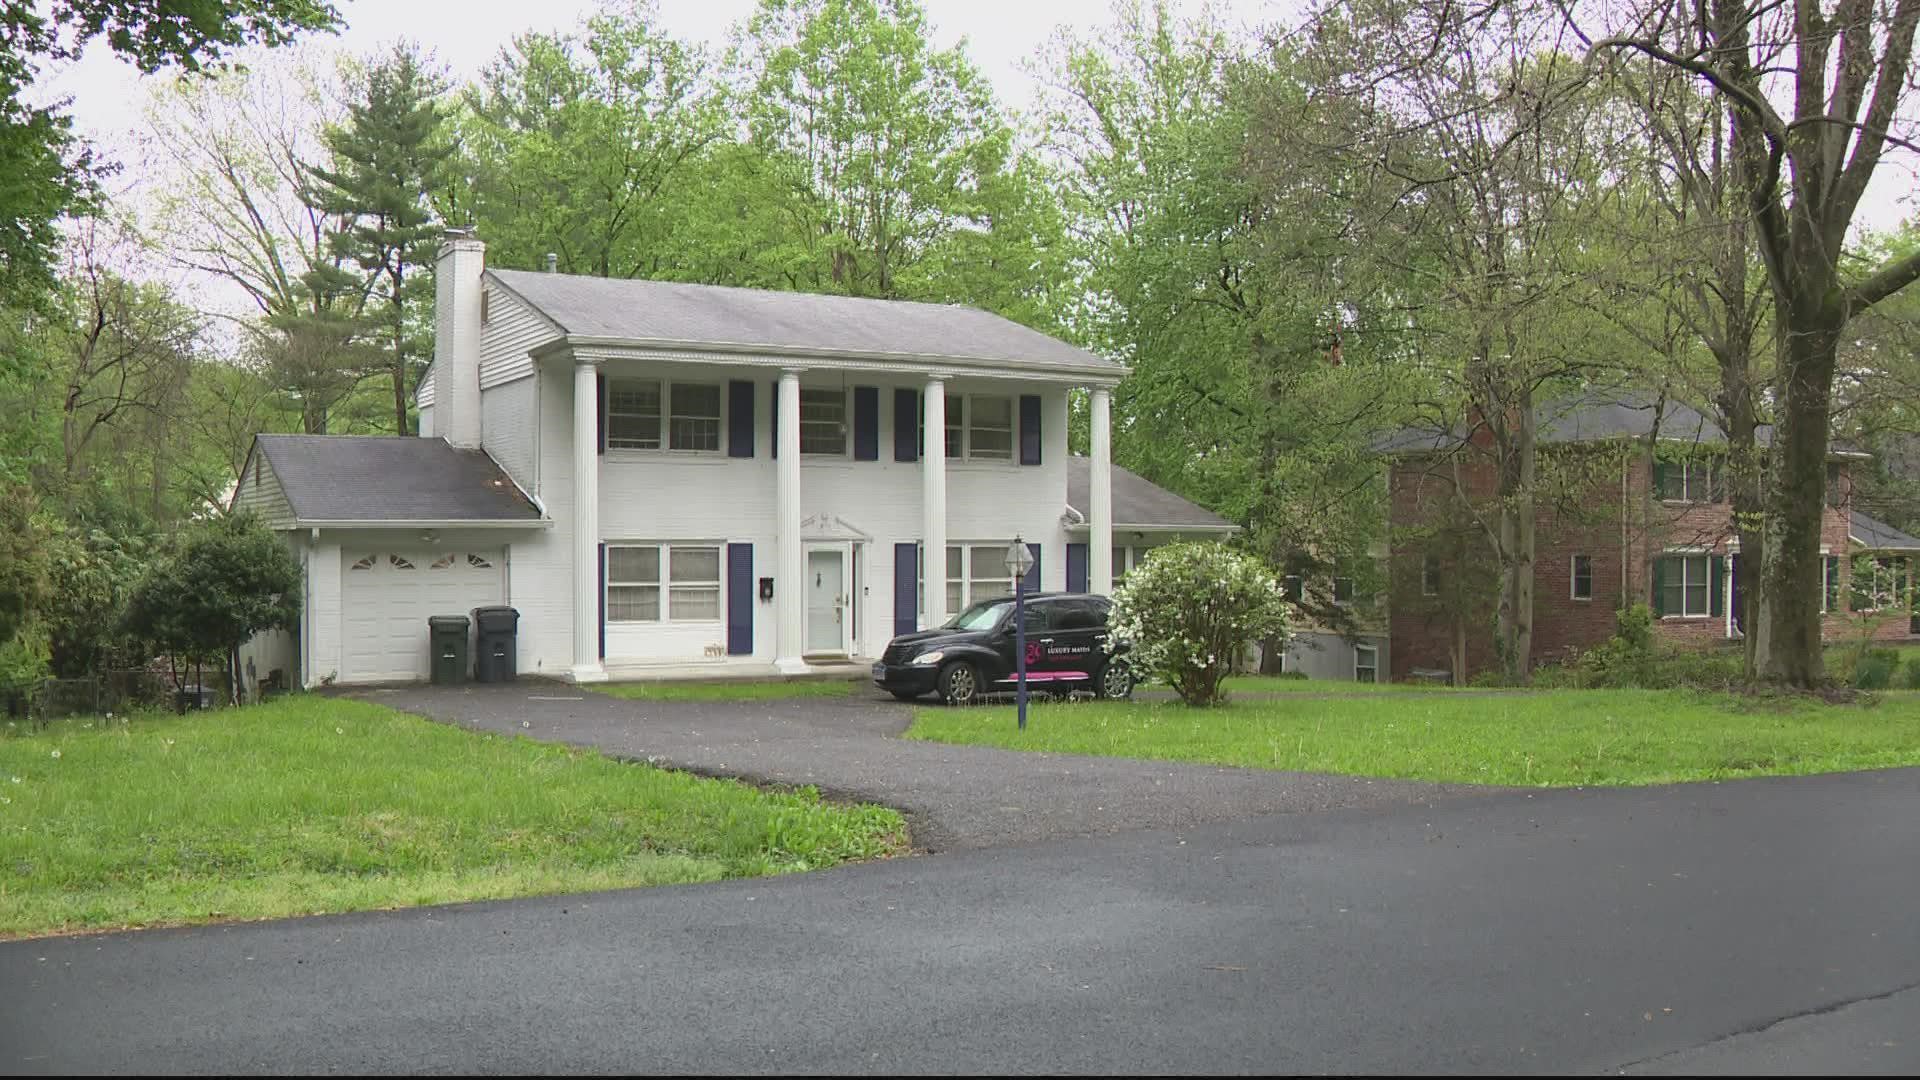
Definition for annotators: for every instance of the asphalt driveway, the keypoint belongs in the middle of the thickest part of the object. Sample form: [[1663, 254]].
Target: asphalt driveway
[[953, 796]]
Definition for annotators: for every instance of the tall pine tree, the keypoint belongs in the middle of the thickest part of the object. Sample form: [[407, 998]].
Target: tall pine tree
[[386, 158]]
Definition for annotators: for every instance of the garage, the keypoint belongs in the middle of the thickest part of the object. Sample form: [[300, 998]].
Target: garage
[[388, 594]]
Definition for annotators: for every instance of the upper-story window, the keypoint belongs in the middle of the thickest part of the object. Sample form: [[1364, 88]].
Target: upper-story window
[[979, 427], [1697, 480], [652, 414], [823, 421]]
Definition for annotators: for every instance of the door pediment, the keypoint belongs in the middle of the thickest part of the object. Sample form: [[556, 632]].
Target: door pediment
[[825, 526]]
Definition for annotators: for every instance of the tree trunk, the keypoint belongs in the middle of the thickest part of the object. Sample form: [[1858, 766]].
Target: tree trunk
[[313, 417], [1272, 652], [1797, 496], [399, 360], [1516, 494]]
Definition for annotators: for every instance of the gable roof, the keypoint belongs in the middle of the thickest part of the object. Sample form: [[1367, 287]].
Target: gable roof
[[665, 314], [1598, 415], [1878, 535], [376, 480], [1139, 502]]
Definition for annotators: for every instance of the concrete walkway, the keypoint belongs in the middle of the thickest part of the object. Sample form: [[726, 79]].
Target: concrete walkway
[[953, 796]]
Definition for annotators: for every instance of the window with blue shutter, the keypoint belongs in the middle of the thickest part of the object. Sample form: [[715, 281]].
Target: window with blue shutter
[[866, 423], [1029, 429], [906, 425], [603, 601], [906, 588], [739, 599], [1076, 568], [600, 414], [740, 419]]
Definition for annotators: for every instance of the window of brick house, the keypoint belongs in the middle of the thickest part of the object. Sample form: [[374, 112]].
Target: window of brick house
[[1682, 585], [1694, 480], [1582, 577], [1430, 575]]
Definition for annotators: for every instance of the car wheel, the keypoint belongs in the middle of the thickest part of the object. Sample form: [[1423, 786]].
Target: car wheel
[[904, 695], [960, 683], [1116, 681]]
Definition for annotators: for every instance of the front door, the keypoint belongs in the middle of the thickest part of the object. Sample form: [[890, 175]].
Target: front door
[[826, 600]]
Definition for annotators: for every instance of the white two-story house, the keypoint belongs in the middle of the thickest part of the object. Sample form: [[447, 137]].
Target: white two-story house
[[672, 479]]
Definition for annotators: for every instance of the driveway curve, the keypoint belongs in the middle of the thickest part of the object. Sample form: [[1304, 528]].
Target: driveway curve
[[953, 796]]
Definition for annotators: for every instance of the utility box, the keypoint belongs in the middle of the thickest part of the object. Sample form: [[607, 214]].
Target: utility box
[[496, 634], [447, 637]]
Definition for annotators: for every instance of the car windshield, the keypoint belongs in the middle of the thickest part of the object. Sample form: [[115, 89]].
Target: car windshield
[[981, 616]]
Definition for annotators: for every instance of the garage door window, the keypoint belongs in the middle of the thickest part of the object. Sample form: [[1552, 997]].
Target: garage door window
[[636, 593]]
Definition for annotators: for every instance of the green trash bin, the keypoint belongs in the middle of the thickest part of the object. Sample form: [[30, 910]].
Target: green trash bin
[[448, 641]]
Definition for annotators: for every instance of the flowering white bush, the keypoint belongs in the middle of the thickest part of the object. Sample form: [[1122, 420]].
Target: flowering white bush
[[1189, 609]]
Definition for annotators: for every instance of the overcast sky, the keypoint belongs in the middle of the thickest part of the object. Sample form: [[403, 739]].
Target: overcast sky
[[107, 96]]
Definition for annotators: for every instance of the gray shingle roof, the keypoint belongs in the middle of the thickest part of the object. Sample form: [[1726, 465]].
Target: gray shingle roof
[[1138, 501], [1597, 416], [1878, 535], [374, 478], [734, 319]]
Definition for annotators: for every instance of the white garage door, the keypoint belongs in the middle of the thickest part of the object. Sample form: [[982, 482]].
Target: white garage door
[[388, 595]]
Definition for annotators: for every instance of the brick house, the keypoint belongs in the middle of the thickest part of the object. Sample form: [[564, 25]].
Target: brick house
[[1625, 516]]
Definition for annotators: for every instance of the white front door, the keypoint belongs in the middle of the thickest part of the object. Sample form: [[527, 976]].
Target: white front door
[[826, 600]]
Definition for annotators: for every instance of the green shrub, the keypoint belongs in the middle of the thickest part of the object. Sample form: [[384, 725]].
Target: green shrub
[[1627, 658], [1301, 675], [1910, 674], [1190, 609], [1874, 670]]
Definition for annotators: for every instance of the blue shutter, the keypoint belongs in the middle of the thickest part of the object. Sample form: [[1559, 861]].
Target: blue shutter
[[740, 418], [1033, 574], [906, 588], [866, 423], [739, 599], [1029, 429], [600, 415], [1076, 568], [774, 400], [906, 425], [603, 601]]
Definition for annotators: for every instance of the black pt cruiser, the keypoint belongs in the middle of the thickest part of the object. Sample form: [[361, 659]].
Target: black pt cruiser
[[1068, 649]]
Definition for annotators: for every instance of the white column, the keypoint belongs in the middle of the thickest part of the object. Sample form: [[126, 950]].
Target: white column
[[1100, 498], [789, 584], [933, 500], [586, 524]]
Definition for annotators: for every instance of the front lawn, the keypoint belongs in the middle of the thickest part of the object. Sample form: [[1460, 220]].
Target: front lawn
[[312, 804], [1277, 684], [733, 689], [1557, 738]]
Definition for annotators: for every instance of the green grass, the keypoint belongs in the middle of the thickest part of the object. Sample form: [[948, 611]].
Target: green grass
[[1559, 738], [1271, 684], [310, 804], [733, 690]]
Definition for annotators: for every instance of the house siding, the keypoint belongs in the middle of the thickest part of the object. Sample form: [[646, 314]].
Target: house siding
[[260, 491], [509, 429], [512, 328]]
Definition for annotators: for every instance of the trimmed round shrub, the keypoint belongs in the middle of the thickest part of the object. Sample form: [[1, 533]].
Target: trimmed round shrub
[[1189, 609]]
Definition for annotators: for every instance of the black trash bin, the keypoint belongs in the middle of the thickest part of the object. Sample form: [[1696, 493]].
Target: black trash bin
[[448, 639], [496, 644]]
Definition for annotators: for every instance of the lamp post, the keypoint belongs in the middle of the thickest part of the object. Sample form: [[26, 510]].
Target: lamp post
[[1019, 561]]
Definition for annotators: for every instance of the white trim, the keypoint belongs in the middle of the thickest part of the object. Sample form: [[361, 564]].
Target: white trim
[[1573, 576], [1375, 650], [592, 350], [422, 523], [1147, 526]]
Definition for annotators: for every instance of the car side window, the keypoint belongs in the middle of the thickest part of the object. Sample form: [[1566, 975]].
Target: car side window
[[1079, 615], [1039, 617]]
